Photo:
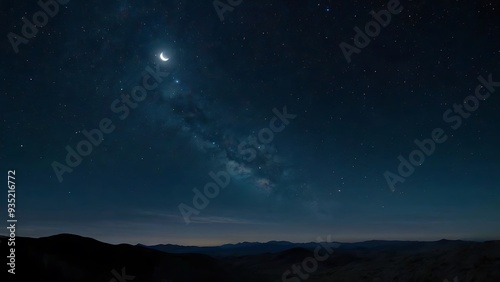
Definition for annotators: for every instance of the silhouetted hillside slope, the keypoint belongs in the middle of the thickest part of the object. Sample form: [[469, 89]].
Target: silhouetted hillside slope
[[73, 258], [68, 258]]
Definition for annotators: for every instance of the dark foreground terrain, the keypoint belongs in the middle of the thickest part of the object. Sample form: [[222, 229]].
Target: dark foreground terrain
[[73, 258]]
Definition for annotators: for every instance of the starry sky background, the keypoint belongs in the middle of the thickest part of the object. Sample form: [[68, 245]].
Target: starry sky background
[[323, 174]]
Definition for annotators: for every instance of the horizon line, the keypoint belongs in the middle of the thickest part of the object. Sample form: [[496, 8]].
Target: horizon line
[[257, 242]]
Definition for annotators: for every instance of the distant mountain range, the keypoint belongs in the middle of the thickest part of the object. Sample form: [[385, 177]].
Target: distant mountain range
[[253, 248], [69, 258], [240, 249]]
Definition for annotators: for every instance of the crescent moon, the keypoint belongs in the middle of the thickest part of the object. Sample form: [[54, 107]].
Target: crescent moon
[[163, 58]]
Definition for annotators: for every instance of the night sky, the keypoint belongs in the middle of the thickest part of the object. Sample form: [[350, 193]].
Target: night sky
[[266, 93]]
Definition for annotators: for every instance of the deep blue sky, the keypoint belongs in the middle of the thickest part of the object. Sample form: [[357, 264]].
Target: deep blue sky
[[322, 174]]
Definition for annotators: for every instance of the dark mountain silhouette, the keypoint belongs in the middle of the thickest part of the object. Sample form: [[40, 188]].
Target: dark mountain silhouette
[[70, 258], [245, 248]]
